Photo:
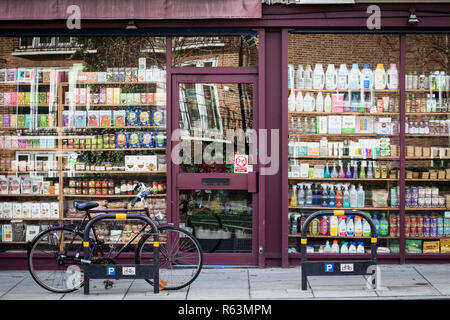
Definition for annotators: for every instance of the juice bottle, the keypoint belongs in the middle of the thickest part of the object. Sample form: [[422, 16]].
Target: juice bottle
[[333, 226]]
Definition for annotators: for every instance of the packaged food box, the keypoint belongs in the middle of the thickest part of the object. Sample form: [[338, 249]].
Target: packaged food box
[[133, 140], [431, 246], [80, 118], [6, 232], [45, 210], [16, 210], [445, 245], [413, 246], [130, 163], [121, 140], [36, 210], [109, 96], [14, 185], [132, 118], [26, 209], [26, 185], [31, 232], [105, 118], [54, 210], [159, 140], [145, 118], [116, 97], [394, 246], [68, 118], [146, 140], [159, 118], [7, 210], [93, 118], [119, 118], [102, 97]]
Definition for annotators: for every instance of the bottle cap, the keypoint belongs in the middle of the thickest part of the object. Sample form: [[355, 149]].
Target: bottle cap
[[380, 66], [366, 66], [393, 66], [355, 66]]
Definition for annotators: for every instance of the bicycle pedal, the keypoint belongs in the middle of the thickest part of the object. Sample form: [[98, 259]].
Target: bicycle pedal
[[162, 284], [108, 284]]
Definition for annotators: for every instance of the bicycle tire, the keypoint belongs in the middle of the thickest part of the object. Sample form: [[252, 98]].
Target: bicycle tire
[[31, 267], [168, 259]]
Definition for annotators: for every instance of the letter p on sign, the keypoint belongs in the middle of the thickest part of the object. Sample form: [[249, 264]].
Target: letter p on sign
[[328, 267]]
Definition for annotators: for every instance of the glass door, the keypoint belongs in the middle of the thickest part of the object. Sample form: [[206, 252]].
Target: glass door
[[214, 169]]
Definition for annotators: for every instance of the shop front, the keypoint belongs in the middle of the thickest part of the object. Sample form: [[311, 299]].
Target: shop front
[[242, 127]]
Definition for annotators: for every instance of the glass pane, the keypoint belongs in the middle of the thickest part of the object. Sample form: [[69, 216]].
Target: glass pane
[[217, 116], [427, 143], [220, 219], [344, 137], [221, 51]]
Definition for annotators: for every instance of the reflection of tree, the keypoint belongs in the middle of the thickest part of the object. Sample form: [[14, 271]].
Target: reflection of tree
[[431, 51], [117, 52]]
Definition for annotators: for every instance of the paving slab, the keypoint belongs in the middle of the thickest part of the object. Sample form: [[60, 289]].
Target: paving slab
[[218, 294]]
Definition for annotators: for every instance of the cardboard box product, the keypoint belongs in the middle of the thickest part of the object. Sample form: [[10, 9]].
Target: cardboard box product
[[6, 233], [413, 246], [431, 246], [348, 124], [445, 245], [334, 124]]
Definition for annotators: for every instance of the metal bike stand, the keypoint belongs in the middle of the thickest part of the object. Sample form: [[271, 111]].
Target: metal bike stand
[[132, 271], [337, 268]]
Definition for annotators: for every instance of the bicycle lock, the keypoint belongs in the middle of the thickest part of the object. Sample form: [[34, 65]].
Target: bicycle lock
[[337, 268], [132, 271]]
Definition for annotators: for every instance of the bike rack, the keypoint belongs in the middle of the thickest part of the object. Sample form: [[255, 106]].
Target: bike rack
[[341, 268], [134, 271]]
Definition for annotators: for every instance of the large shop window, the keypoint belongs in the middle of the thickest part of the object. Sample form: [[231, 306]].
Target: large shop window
[[218, 51], [427, 191], [344, 134], [86, 123]]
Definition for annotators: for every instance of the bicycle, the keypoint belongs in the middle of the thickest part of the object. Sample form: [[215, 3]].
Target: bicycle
[[55, 255]]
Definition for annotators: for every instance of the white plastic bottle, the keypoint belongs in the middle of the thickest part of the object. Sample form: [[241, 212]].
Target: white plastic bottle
[[380, 78], [327, 103], [392, 77], [331, 77], [308, 77], [353, 197], [355, 78], [350, 227], [360, 248], [366, 228], [335, 247], [300, 78], [361, 195], [291, 75], [344, 248], [366, 77], [318, 77], [342, 227], [327, 248], [308, 102], [299, 102], [291, 101], [343, 77], [319, 102], [352, 248]]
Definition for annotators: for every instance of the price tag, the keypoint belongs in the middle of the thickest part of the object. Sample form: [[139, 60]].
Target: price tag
[[129, 271], [347, 267]]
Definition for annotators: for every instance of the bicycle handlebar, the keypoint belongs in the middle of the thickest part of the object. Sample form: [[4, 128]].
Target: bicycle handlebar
[[143, 193]]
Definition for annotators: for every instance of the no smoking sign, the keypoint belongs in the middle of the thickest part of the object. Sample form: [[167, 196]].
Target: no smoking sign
[[240, 164]]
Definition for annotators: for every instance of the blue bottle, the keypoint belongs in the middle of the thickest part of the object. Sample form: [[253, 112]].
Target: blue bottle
[[355, 170], [348, 173], [327, 173], [376, 222], [324, 197], [331, 198], [316, 198]]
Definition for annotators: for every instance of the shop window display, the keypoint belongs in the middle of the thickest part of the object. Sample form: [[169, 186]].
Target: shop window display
[[344, 134], [86, 125]]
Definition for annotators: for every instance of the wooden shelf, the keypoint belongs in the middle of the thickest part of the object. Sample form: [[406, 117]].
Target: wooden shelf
[[116, 149], [111, 128], [115, 172], [426, 209], [341, 179], [427, 113], [110, 196], [28, 195], [344, 135], [345, 157], [379, 114], [345, 91], [428, 180], [115, 82], [339, 237], [116, 105], [335, 208], [409, 135], [427, 238]]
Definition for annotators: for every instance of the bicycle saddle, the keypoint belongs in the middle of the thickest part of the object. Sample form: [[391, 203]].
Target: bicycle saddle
[[84, 205]]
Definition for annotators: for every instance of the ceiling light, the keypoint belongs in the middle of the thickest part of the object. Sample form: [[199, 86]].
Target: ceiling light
[[131, 25]]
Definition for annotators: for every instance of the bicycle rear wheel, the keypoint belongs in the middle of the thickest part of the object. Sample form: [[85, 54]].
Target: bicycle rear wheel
[[52, 259], [180, 257]]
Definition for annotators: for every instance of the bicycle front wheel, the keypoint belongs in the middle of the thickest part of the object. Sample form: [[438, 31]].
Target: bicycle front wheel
[[180, 257], [53, 259]]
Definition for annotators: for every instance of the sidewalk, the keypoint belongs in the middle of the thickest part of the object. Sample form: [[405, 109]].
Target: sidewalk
[[416, 281]]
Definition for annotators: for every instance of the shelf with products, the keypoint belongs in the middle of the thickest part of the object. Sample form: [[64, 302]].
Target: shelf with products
[[136, 118], [338, 137]]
